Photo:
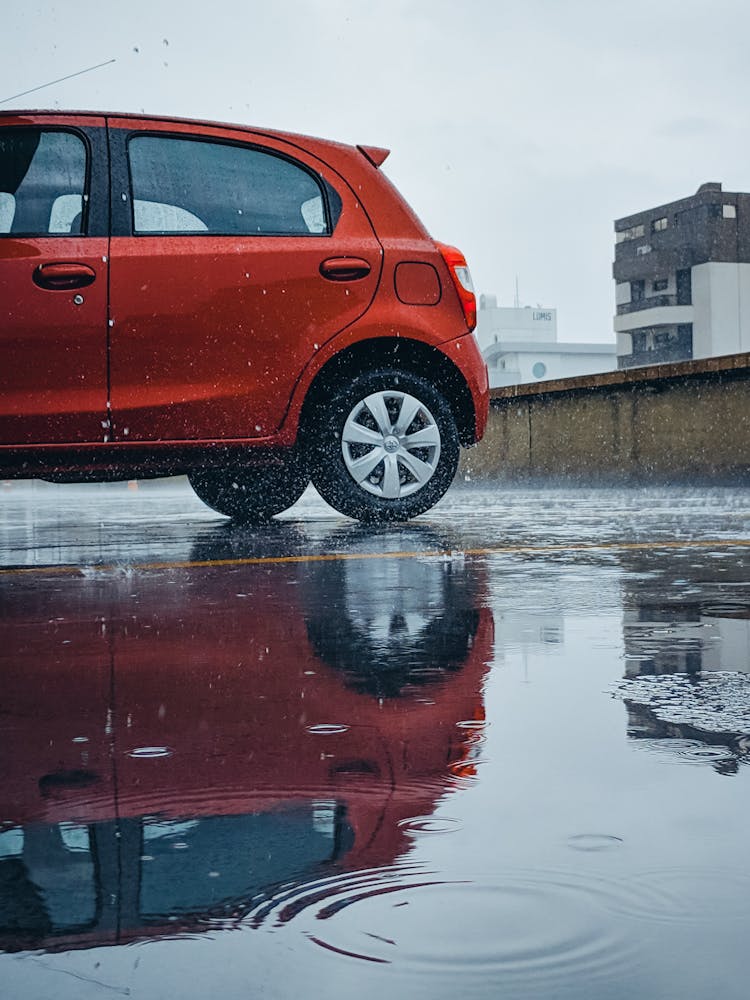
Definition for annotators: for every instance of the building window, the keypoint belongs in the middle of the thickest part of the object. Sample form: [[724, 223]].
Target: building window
[[658, 225], [637, 291], [729, 211], [660, 285], [634, 233], [539, 369]]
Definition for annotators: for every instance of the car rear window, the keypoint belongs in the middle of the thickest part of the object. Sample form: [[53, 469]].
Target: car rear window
[[42, 182], [194, 186]]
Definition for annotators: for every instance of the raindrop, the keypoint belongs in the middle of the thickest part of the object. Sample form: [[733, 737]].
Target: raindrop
[[594, 841], [148, 752], [80, 739], [327, 728], [417, 825]]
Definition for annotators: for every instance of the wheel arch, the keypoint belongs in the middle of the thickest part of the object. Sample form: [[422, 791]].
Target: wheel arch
[[407, 355]]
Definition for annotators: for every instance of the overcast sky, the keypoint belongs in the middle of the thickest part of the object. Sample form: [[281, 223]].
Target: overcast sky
[[519, 130]]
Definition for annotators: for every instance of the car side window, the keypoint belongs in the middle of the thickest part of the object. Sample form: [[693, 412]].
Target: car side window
[[191, 185], [42, 182]]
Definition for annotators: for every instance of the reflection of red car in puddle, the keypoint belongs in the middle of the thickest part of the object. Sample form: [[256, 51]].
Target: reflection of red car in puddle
[[181, 743]]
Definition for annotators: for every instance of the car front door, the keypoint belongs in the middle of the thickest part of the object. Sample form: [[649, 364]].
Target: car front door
[[54, 201], [224, 278]]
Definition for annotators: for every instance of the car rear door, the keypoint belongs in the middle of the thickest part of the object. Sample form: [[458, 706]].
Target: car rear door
[[226, 277], [54, 205]]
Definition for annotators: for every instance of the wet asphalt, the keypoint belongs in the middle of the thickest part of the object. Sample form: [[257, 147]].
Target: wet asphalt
[[499, 750]]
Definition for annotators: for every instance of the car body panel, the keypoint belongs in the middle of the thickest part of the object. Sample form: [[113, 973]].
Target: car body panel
[[53, 341], [213, 331], [206, 346]]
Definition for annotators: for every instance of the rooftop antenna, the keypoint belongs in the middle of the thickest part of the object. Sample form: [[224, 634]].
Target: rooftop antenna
[[51, 83], [517, 301]]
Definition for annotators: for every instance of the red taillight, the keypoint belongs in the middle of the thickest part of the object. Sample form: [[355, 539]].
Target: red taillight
[[461, 275]]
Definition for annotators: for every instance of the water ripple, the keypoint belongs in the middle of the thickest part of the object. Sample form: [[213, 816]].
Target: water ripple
[[529, 925], [418, 825]]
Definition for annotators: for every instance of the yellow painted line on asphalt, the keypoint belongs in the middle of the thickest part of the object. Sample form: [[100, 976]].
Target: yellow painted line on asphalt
[[499, 550]]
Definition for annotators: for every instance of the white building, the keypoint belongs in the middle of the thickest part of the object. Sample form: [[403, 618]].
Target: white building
[[520, 345]]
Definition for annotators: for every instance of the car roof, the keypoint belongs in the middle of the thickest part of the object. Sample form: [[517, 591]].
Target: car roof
[[297, 138]]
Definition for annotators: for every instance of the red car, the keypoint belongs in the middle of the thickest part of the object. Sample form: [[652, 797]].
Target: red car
[[252, 308]]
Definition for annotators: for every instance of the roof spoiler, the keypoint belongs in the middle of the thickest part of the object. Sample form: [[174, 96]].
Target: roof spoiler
[[375, 154]]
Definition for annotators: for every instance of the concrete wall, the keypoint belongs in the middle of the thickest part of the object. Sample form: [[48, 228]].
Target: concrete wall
[[682, 423]]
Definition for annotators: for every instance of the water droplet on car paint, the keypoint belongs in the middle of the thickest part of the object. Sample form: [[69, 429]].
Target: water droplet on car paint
[[327, 728], [150, 752]]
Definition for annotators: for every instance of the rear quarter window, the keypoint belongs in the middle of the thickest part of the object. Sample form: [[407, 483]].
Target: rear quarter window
[[193, 185]]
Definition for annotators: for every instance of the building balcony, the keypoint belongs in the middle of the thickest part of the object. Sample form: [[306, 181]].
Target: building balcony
[[651, 316], [652, 302]]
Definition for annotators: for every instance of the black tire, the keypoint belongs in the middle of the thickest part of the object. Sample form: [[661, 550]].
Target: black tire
[[417, 462], [252, 493]]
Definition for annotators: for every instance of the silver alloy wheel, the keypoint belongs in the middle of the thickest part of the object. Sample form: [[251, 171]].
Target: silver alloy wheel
[[391, 444]]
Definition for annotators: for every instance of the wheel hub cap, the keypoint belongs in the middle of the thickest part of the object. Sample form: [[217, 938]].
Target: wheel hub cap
[[391, 444]]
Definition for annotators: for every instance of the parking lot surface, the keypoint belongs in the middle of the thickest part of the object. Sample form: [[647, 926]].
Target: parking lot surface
[[499, 750]]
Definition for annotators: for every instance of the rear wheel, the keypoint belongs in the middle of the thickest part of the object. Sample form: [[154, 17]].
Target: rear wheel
[[385, 447], [248, 493]]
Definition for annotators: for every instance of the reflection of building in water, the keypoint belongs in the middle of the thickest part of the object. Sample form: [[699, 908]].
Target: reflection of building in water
[[686, 682], [529, 631], [691, 638], [177, 747], [691, 742]]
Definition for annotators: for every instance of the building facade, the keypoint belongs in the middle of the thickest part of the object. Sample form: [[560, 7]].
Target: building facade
[[520, 345], [682, 279]]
